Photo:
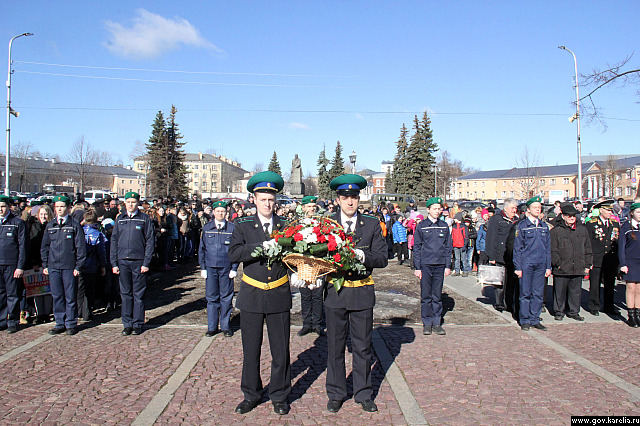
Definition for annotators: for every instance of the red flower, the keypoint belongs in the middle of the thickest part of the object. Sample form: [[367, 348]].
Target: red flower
[[332, 245], [337, 257], [322, 239], [297, 237], [289, 232], [277, 237], [350, 238]]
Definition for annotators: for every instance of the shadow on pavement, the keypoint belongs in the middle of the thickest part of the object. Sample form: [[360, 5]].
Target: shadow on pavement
[[309, 365], [394, 336]]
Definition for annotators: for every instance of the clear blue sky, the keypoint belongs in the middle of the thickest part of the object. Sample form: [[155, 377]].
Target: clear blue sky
[[257, 76]]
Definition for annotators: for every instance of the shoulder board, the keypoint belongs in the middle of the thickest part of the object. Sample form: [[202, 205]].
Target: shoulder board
[[245, 220], [369, 216], [593, 220]]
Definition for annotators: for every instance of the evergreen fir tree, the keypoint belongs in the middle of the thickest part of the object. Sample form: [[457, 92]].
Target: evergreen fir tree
[[274, 165], [400, 164], [323, 175], [156, 156], [337, 164], [421, 159], [389, 183], [178, 170]]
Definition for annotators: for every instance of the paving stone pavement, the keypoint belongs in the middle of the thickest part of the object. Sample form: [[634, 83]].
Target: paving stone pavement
[[476, 374]]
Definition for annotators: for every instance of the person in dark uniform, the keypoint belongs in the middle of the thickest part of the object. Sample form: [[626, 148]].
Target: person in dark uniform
[[264, 296], [217, 270], [629, 257], [351, 308], [13, 256], [63, 253], [132, 245], [499, 249], [604, 231], [571, 259], [311, 302], [532, 263], [432, 259]]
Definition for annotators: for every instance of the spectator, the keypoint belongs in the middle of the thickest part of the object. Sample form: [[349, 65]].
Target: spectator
[[400, 240], [629, 256], [460, 242], [95, 262]]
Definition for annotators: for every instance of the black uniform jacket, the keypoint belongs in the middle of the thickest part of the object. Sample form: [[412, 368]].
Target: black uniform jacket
[[247, 235], [13, 238], [369, 239], [63, 246], [604, 241], [570, 249]]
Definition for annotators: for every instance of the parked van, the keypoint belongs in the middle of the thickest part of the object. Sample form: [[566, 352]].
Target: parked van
[[91, 196]]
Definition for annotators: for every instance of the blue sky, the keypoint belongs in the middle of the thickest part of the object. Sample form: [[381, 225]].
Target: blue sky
[[251, 77]]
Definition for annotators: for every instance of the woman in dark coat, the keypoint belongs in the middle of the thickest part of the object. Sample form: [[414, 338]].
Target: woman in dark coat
[[629, 257]]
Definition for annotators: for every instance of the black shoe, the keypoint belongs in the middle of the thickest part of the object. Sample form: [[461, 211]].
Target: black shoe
[[281, 408], [525, 327], [464, 274], [369, 406], [127, 331], [56, 330], [576, 317], [319, 331], [539, 327], [3, 327], [304, 331], [137, 331], [498, 308], [333, 406], [558, 317], [595, 312], [245, 406], [426, 330], [611, 311], [72, 331], [438, 330], [211, 333], [12, 329], [227, 333]]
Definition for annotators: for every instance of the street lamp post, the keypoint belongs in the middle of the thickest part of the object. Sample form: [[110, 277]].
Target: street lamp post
[[577, 117], [9, 112], [352, 159]]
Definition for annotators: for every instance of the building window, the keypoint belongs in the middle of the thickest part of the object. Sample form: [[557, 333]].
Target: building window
[[542, 182], [565, 181], [475, 184], [204, 185], [566, 193], [504, 183], [467, 186], [495, 183], [482, 184], [130, 181], [504, 194], [511, 194], [196, 167], [122, 180], [552, 181], [628, 191]]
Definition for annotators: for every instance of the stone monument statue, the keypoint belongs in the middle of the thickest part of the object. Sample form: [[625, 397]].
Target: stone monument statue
[[296, 187]]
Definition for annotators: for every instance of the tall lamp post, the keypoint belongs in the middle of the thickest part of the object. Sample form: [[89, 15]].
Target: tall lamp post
[[10, 111], [576, 116], [352, 160]]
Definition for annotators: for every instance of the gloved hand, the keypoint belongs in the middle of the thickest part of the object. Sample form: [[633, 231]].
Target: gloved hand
[[297, 282], [269, 243], [359, 254], [233, 274], [203, 273], [316, 284]]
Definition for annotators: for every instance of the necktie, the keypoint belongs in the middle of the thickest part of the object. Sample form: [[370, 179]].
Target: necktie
[[266, 229], [349, 223], [219, 227]]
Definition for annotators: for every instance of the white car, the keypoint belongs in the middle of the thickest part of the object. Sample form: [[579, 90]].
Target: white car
[[91, 196]]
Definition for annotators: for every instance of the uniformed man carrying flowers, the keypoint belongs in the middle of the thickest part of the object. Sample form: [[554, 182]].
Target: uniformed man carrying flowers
[[264, 296]]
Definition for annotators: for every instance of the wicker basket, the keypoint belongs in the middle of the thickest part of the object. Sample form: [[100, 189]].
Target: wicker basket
[[308, 268]]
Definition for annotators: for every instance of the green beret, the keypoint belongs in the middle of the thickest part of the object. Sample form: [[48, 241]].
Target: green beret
[[348, 184], [132, 194], [6, 199], [433, 200], [535, 199], [47, 200], [265, 181], [220, 203], [634, 206], [15, 199], [34, 203], [308, 200], [62, 198]]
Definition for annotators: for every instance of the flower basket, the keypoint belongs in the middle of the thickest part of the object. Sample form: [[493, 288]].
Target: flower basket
[[308, 268]]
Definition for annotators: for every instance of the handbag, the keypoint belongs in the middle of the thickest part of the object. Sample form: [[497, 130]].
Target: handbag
[[491, 275]]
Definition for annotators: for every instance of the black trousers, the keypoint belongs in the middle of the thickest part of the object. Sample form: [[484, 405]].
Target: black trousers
[[311, 302], [251, 325], [606, 274], [566, 288], [133, 285], [402, 251], [508, 296], [86, 294], [9, 300], [360, 323]]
